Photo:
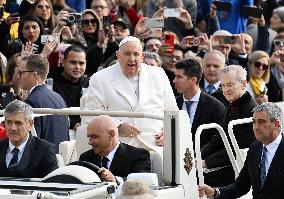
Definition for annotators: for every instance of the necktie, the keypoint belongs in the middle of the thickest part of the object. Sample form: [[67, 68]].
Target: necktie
[[104, 162], [188, 104], [210, 89], [14, 161], [262, 165]]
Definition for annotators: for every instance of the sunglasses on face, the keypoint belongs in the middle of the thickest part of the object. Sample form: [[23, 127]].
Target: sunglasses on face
[[43, 6], [86, 22], [278, 42], [259, 64]]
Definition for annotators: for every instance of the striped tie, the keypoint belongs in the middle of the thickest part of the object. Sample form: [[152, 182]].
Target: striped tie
[[14, 161]]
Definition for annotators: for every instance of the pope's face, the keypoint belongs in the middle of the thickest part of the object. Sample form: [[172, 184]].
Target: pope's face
[[130, 57]]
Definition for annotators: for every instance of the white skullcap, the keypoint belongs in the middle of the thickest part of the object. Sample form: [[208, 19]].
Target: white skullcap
[[129, 39], [221, 33]]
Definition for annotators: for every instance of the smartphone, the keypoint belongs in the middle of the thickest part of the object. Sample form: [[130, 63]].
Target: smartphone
[[282, 58], [171, 12], [156, 32], [154, 22], [170, 39], [227, 40], [1, 11], [223, 6], [252, 11], [264, 92], [46, 39], [106, 22]]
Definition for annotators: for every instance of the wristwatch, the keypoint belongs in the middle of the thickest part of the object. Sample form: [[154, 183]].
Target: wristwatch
[[216, 193]]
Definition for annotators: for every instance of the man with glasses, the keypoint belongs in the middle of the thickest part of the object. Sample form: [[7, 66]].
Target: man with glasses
[[32, 73], [264, 165], [101, 7], [233, 84]]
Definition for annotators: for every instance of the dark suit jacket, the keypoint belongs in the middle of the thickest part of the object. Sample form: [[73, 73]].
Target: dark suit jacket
[[208, 110], [38, 159], [127, 159], [53, 128], [273, 187]]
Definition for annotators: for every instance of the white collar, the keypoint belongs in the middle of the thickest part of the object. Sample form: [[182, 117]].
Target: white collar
[[195, 98], [21, 147], [111, 154], [272, 147], [216, 85]]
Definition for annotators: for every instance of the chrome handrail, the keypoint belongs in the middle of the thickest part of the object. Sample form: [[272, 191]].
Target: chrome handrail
[[68, 111], [198, 151], [236, 147]]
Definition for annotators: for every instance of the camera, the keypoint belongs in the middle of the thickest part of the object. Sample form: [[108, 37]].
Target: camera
[[46, 39], [73, 18], [196, 41]]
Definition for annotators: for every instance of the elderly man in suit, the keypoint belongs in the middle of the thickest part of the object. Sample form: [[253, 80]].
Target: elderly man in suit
[[22, 155], [240, 105], [33, 72], [264, 166], [115, 159], [201, 107], [130, 85]]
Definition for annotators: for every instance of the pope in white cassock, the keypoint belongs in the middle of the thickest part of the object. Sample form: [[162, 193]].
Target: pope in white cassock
[[130, 85]]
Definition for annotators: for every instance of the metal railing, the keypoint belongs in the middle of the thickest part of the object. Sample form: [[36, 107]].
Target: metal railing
[[198, 151], [68, 111], [239, 158]]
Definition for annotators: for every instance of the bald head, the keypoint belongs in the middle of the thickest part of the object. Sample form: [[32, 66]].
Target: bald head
[[103, 135]]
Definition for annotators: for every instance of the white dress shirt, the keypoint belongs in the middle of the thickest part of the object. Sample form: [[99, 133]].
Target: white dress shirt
[[271, 150], [10, 154], [193, 106]]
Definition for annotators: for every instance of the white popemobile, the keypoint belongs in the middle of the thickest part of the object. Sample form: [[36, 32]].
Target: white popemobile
[[178, 179]]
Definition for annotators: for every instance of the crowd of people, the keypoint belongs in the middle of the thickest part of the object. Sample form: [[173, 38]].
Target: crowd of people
[[214, 60]]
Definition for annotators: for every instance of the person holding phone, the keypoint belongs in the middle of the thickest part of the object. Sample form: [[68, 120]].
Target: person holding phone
[[228, 16], [44, 10], [259, 72], [276, 81], [30, 31], [93, 37]]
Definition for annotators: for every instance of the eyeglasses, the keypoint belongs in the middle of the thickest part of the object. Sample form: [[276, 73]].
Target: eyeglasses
[[86, 22], [101, 7], [25, 71], [260, 65], [278, 42], [43, 6], [228, 85]]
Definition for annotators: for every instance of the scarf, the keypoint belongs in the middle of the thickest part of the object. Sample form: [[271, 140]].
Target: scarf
[[257, 85]]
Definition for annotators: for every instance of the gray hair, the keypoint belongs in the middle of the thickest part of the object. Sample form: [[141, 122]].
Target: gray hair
[[280, 12], [221, 55], [241, 73], [273, 110], [18, 106]]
